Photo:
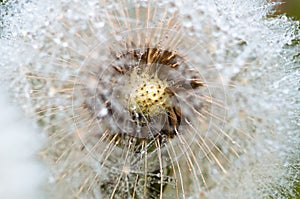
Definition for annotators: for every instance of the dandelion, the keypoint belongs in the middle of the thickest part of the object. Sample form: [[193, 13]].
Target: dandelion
[[21, 174], [160, 99]]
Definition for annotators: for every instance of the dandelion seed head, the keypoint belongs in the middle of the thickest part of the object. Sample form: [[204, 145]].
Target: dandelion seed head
[[160, 99]]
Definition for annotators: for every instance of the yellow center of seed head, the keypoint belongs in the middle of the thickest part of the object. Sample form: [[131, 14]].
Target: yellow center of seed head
[[148, 97]]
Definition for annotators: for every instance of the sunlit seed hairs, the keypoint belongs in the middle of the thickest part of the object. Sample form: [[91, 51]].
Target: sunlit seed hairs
[[161, 99]]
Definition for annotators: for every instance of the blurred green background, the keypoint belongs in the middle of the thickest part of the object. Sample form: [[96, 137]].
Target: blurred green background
[[290, 7]]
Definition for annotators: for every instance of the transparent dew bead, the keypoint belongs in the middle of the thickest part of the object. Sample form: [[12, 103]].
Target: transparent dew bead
[[149, 96]]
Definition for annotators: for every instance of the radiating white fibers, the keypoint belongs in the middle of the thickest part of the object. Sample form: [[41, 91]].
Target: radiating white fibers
[[159, 99]]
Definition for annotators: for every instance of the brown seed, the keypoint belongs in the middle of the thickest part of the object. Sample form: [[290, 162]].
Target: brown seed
[[196, 83]]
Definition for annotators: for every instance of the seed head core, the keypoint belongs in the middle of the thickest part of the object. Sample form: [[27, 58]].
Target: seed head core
[[148, 96]]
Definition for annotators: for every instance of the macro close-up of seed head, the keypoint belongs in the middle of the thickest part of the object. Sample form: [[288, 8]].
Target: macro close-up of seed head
[[157, 99]]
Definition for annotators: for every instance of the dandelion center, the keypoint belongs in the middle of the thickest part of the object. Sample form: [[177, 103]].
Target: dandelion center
[[149, 97]]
